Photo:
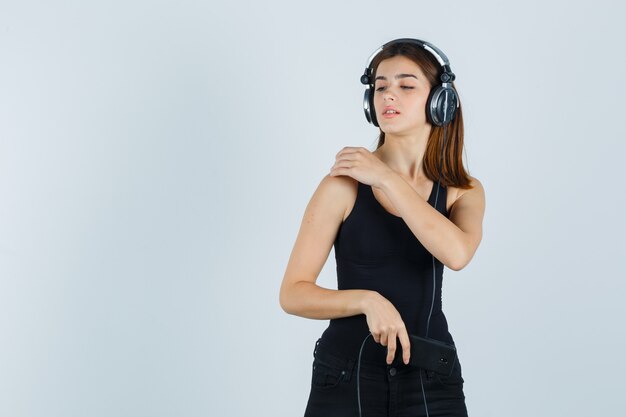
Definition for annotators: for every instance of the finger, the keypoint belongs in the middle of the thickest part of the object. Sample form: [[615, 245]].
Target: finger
[[339, 174], [342, 151], [405, 341], [344, 157], [348, 149], [343, 163], [383, 339], [391, 350], [339, 171]]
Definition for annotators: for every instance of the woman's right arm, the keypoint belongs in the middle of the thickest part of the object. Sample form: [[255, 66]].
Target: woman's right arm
[[299, 294]]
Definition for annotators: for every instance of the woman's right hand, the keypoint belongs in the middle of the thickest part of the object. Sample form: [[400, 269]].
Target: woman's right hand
[[385, 325]]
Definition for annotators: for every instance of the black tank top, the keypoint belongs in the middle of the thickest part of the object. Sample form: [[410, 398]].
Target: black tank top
[[376, 250]]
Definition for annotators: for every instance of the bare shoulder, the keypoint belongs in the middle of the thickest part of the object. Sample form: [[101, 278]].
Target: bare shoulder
[[477, 187], [342, 190], [477, 190]]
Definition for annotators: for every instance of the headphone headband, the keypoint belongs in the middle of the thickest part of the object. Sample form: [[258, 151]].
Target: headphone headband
[[441, 57], [436, 52]]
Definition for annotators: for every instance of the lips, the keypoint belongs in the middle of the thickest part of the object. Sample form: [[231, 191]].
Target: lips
[[390, 112]]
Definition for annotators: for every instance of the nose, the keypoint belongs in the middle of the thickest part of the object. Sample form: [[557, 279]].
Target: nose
[[387, 95]]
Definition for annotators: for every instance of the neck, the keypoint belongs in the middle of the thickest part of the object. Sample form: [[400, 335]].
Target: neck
[[405, 153]]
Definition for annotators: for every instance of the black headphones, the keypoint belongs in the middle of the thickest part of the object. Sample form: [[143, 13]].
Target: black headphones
[[442, 101]]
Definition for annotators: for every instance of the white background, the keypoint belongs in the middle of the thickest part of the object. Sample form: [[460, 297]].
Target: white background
[[156, 158]]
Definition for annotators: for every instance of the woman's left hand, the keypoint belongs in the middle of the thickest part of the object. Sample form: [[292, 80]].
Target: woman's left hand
[[360, 164]]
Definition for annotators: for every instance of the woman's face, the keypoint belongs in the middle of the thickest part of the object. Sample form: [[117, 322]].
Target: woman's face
[[400, 94]]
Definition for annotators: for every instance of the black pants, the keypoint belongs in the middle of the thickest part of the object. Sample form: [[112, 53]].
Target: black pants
[[385, 390]]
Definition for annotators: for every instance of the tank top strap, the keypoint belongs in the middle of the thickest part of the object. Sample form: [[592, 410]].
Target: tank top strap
[[440, 194]]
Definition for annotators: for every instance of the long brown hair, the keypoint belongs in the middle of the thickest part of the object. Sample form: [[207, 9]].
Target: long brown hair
[[452, 169]]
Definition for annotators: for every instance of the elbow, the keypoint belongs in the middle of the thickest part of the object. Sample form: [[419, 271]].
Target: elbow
[[459, 262], [286, 302], [283, 303], [291, 298], [455, 266], [287, 309], [462, 255], [467, 249], [462, 261]]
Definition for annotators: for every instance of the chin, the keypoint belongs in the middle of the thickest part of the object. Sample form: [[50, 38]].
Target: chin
[[400, 130], [393, 130]]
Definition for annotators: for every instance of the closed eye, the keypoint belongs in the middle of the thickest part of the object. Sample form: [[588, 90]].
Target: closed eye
[[405, 87]]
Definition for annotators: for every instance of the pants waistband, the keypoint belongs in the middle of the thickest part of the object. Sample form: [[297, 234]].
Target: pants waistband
[[322, 354]]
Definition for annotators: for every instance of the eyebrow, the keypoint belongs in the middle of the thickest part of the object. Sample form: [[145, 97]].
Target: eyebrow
[[397, 77]]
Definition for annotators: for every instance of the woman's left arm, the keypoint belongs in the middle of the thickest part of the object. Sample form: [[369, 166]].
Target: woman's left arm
[[452, 241]]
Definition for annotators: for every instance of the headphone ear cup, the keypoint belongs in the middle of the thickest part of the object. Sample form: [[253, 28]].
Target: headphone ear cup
[[368, 106], [441, 105]]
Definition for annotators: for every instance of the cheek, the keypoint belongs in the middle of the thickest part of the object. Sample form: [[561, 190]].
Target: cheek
[[417, 108]]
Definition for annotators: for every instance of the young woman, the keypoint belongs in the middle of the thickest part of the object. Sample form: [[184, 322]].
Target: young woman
[[395, 216]]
